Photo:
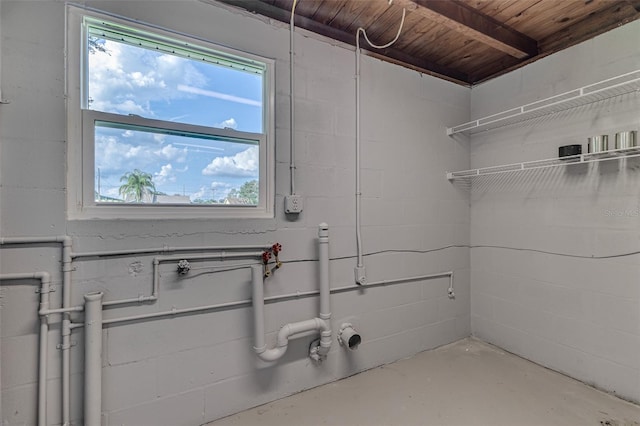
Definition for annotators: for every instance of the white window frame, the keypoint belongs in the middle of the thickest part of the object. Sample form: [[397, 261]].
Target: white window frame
[[81, 202]]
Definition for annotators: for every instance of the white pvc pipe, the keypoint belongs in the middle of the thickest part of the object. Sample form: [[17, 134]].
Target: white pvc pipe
[[43, 352], [257, 292], [67, 258], [321, 324], [167, 249], [66, 303], [325, 288], [269, 299], [349, 337], [33, 240], [61, 310], [323, 273], [396, 281], [66, 330], [223, 255], [173, 312], [93, 359], [287, 331], [45, 289]]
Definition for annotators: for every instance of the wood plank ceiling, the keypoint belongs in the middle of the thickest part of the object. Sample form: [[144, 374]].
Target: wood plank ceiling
[[468, 41]]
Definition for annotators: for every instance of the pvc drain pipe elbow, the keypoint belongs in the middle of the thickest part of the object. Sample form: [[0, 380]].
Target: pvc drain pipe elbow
[[322, 324]]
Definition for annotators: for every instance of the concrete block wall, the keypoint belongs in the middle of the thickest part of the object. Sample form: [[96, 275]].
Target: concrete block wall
[[187, 370], [550, 288]]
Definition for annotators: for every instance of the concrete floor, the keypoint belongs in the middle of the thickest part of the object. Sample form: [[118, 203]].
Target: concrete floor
[[465, 383]]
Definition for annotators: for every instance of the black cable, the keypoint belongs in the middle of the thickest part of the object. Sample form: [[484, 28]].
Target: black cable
[[375, 253], [577, 256]]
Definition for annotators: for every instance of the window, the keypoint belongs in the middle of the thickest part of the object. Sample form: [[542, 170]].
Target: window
[[166, 126]]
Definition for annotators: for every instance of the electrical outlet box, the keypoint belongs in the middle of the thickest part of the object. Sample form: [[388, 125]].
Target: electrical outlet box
[[361, 275], [293, 203]]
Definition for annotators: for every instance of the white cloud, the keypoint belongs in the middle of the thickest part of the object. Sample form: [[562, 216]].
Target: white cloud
[[166, 174], [199, 194], [159, 137], [114, 154], [230, 123], [126, 79], [220, 189], [112, 192], [170, 152], [217, 186], [244, 163]]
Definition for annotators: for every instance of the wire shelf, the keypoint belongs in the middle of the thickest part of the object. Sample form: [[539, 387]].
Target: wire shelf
[[605, 89], [543, 164]]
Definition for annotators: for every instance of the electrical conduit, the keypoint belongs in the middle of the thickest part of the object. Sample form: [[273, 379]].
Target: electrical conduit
[[292, 152], [360, 272], [321, 324]]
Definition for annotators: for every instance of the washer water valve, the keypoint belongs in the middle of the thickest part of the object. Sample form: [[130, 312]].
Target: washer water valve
[[273, 251], [276, 249], [266, 256], [183, 267]]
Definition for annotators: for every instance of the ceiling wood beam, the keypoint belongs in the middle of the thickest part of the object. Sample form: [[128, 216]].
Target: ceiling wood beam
[[391, 54], [459, 17], [616, 15], [635, 4]]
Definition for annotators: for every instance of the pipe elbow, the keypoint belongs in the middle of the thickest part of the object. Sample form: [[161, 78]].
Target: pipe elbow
[[283, 335], [271, 354], [43, 276]]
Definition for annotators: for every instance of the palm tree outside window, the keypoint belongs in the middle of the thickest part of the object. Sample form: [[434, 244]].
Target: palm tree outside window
[[138, 187]]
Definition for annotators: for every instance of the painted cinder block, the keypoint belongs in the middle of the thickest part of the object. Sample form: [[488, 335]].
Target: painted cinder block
[[172, 370], [130, 384], [571, 311], [184, 409]]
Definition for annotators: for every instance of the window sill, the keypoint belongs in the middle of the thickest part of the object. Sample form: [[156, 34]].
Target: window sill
[[103, 212]]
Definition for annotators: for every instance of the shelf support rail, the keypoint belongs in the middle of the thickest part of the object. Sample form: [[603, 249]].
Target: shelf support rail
[[608, 88], [543, 164]]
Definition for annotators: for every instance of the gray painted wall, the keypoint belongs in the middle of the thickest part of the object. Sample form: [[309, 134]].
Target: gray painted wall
[[554, 303], [192, 369]]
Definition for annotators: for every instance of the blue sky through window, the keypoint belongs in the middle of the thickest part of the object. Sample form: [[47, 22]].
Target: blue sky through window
[[125, 79]]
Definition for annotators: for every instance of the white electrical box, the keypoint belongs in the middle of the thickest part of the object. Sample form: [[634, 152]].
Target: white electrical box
[[293, 203]]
